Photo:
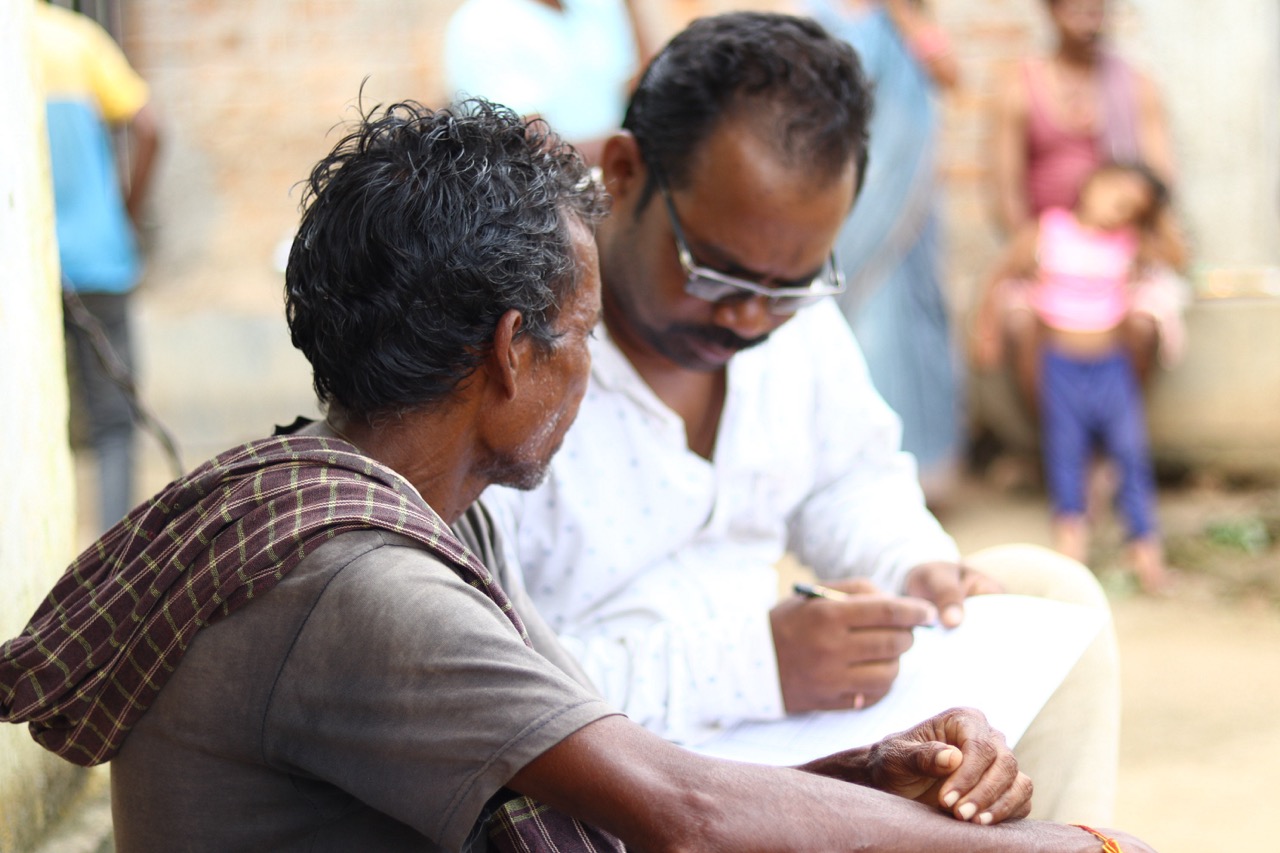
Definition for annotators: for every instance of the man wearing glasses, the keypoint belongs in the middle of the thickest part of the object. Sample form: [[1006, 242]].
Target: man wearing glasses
[[730, 419]]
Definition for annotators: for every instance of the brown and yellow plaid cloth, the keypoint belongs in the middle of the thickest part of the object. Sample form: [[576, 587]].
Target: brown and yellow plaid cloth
[[101, 646], [524, 825]]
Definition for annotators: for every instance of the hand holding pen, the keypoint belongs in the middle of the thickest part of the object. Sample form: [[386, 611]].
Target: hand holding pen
[[838, 652]]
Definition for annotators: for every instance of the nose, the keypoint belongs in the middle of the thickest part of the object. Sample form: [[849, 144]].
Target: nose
[[748, 318]]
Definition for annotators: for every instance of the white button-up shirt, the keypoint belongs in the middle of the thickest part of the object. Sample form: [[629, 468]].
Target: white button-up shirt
[[656, 566]]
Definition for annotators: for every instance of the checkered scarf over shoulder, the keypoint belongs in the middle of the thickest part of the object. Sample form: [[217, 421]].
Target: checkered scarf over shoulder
[[105, 640], [98, 650]]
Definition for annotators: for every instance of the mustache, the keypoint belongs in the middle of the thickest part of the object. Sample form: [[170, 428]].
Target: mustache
[[720, 337]]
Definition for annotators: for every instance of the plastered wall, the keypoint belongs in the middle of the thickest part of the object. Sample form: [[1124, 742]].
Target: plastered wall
[[36, 515]]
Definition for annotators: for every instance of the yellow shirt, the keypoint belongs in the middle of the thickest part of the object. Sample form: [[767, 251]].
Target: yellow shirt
[[80, 60]]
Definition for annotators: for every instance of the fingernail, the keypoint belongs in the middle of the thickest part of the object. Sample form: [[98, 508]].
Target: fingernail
[[950, 799], [859, 701], [985, 818], [953, 616], [967, 811]]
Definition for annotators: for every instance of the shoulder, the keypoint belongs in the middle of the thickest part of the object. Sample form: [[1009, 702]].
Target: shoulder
[[477, 530], [55, 21], [397, 561], [1132, 78], [81, 60], [360, 549], [387, 593], [375, 567], [72, 33]]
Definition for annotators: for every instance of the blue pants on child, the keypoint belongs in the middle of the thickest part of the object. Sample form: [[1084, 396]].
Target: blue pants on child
[[1088, 402]]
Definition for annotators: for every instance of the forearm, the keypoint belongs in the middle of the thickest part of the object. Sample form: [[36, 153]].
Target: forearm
[[1008, 163], [986, 317], [1154, 142], [1009, 177], [853, 766], [926, 41], [656, 796], [1012, 212], [145, 137], [1168, 244], [1017, 261]]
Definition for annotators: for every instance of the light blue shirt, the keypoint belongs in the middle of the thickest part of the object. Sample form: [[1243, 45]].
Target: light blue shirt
[[570, 67], [95, 237]]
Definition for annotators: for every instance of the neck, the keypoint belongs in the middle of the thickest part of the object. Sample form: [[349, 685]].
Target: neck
[[428, 449], [648, 361], [1079, 57], [696, 396], [658, 370]]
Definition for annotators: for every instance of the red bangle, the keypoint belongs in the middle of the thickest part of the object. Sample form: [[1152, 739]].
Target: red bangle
[[1109, 845]]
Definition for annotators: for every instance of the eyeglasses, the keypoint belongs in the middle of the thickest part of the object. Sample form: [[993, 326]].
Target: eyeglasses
[[714, 286]]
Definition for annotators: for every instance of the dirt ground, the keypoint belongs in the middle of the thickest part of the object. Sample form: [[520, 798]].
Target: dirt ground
[[1201, 667]]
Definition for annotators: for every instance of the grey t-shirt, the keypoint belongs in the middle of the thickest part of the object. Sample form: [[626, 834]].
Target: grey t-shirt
[[372, 700]]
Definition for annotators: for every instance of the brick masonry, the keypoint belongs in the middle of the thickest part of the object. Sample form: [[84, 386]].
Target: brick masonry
[[251, 89]]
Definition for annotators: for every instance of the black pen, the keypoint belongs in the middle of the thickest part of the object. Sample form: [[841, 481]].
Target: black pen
[[813, 590]]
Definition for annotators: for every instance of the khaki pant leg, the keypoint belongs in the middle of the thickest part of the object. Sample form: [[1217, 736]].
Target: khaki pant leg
[[1071, 749]]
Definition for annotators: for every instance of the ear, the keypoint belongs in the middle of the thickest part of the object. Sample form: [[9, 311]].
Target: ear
[[622, 168], [510, 352]]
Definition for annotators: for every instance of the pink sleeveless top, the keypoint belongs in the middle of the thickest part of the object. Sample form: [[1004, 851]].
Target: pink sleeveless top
[[1058, 160], [1084, 274]]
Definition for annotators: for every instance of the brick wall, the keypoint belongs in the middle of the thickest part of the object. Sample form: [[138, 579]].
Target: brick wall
[[987, 37], [250, 88]]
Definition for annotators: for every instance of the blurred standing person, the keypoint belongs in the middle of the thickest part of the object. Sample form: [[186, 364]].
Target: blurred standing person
[[890, 248], [1057, 119], [570, 62], [1084, 262], [90, 90]]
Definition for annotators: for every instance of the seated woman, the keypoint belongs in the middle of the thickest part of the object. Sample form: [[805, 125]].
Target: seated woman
[[1055, 120]]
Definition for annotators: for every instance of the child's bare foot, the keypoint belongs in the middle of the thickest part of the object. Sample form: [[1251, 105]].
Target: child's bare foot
[[1147, 558], [1071, 536]]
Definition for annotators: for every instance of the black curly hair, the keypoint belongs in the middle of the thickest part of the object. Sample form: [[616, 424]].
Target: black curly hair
[[419, 230]]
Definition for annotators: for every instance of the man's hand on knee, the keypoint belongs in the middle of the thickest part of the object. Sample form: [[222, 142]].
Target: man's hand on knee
[[947, 585]]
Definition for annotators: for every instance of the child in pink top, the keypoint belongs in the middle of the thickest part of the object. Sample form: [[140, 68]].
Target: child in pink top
[[1083, 262]]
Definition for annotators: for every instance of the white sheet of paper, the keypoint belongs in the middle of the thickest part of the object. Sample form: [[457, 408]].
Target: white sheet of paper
[[1006, 659]]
